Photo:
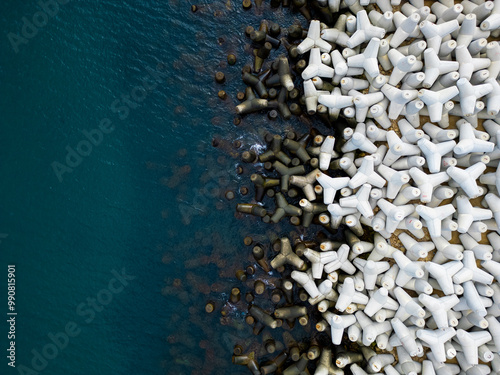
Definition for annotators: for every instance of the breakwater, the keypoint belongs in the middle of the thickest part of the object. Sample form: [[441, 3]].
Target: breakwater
[[375, 280]]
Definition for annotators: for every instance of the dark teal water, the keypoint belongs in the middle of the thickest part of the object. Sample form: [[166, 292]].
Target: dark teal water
[[129, 205]]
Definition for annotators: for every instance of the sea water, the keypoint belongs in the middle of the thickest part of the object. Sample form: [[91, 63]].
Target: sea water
[[146, 197]]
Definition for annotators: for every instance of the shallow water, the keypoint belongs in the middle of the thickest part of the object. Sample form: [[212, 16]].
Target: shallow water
[[148, 198]]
